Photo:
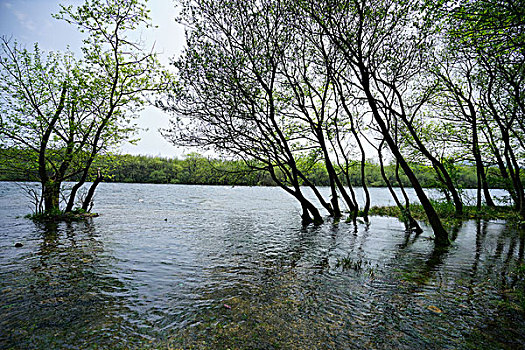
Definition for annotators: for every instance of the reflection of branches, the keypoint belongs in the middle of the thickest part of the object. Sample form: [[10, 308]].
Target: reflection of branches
[[34, 196], [480, 237], [522, 248]]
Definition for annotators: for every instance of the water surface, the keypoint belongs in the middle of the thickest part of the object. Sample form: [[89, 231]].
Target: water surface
[[172, 266]]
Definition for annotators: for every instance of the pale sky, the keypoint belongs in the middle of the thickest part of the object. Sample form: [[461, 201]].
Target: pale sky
[[30, 21]]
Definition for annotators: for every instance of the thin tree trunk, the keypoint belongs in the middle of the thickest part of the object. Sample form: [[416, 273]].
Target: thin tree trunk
[[445, 190], [433, 218], [331, 176], [306, 206], [514, 171], [88, 201], [480, 169], [408, 220], [320, 198], [507, 181], [458, 204], [366, 207]]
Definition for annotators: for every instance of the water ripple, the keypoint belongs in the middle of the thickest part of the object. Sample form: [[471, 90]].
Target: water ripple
[[218, 267]]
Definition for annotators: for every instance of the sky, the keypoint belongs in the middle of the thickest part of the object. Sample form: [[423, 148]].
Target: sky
[[30, 21]]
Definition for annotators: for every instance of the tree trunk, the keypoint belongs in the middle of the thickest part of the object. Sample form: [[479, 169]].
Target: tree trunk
[[80, 183], [514, 171], [366, 207], [320, 198], [331, 175], [413, 223], [88, 201], [363, 160], [317, 218], [445, 190], [438, 166], [351, 204], [433, 218], [408, 220], [480, 169], [349, 184], [51, 195], [50, 188], [507, 181], [306, 206], [478, 189]]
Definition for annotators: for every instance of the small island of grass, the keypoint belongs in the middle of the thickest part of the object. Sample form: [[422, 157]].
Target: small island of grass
[[448, 215], [60, 215]]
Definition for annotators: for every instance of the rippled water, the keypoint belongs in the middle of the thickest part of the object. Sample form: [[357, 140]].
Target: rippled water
[[170, 266]]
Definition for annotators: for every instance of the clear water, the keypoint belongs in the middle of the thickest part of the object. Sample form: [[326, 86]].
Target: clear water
[[171, 266]]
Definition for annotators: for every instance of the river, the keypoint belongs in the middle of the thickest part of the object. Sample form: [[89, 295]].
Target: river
[[209, 267]]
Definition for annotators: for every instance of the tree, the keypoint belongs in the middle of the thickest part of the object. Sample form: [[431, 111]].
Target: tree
[[492, 33], [384, 43], [460, 105], [233, 101], [41, 113], [70, 111]]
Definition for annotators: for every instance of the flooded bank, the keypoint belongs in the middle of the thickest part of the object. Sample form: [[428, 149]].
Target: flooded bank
[[169, 266]]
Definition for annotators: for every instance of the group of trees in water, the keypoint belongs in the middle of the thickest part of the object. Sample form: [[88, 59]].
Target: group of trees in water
[[281, 86], [273, 82]]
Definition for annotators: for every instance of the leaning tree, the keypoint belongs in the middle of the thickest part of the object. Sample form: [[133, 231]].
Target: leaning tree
[[385, 44], [231, 97]]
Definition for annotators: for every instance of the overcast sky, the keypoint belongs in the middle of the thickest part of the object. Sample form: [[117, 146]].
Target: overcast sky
[[30, 21]]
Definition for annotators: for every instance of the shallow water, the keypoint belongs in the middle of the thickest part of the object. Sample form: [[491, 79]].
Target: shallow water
[[171, 266]]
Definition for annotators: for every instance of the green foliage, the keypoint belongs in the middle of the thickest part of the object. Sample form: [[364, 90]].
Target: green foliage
[[196, 169], [495, 27], [287, 83], [193, 169], [446, 212], [56, 215], [60, 112]]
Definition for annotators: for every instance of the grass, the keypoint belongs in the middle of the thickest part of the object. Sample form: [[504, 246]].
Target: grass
[[447, 213], [57, 215]]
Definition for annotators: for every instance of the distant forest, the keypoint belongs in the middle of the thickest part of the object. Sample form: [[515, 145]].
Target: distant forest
[[198, 169]]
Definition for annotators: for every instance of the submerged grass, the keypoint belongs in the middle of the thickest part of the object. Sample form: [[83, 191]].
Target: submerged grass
[[59, 215], [519, 285], [448, 216]]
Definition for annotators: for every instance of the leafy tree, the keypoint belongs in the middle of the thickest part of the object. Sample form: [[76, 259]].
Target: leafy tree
[[492, 34], [232, 96], [69, 111], [43, 113], [384, 44]]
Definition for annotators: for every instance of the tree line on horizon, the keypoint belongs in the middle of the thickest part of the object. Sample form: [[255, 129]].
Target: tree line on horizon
[[284, 86], [197, 169]]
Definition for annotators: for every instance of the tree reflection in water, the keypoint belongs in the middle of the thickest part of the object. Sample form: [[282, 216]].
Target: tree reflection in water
[[64, 295]]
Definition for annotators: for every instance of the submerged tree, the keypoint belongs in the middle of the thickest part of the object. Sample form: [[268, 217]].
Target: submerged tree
[[491, 34], [285, 85], [231, 98], [384, 44], [69, 111], [43, 111]]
